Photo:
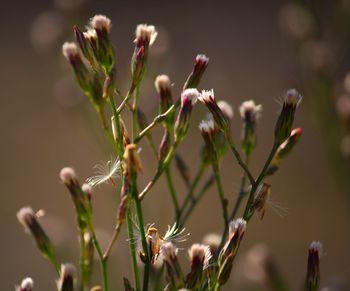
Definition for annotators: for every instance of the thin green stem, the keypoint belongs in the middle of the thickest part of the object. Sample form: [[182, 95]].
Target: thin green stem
[[195, 200], [117, 124], [103, 264], [132, 246], [238, 157], [247, 212], [141, 225], [193, 186], [241, 193], [172, 192], [221, 193], [83, 279], [134, 114]]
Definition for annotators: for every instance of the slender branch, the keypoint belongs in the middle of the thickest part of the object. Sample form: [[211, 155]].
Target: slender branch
[[221, 193], [172, 192], [247, 212], [83, 278], [134, 114], [158, 119], [103, 264], [126, 99], [193, 186], [238, 157], [112, 241], [132, 246]]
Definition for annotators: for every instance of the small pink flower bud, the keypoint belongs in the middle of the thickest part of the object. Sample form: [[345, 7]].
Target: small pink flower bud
[[285, 120], [200, 65], [207, 97], [66, 281], [26, 285], [188, 99], [207, 129], [200, 257], [312, 281], [163, 87]]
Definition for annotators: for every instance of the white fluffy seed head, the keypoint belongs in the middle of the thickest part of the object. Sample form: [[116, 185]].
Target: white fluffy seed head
[[293, 97], [67, 174], [207, 126], [162, 82], [25, 215], [251, 108], [226, 109], [101, 22], [191, 95], [206, 96], [69, 50], [27, 284], [144, 32]]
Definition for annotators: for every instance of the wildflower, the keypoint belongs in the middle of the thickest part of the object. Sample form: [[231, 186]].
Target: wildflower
[[200, 65], [213, 241], [104, 53], [105, 172], [250, 113], [207, 97], [188, 99], [28, 219], [312, 281], [145, 36], [226, 109], [174, 273], [284, 149], [80, 199], [208, 130], [285, 120], [200, 257], [163, 87], [26, 285], [84, 44], [66, 281], [72, 54], [236, 231]]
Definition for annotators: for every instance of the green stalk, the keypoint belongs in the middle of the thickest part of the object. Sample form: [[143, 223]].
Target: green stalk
[[241, 193], [103, 263], [134, 114], [132, 247], [120, 149], [247, 213], [83, 277], [221, 193], [193, 186], [141, 225], [172, 192]]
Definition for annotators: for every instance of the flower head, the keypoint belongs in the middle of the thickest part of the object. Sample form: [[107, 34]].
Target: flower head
[[27, 284], [146, 33], [312, 281], [226, 109], [101, 22], [105, 172], [200, 65], [66, 281]]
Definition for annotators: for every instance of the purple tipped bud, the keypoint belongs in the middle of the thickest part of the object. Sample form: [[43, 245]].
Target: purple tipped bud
[[250, 113], [200, 257], [199, 68], [207, 129], [163, 87], [101, 44], [284, 149], [188, 99], [164, 146], [66, 281], [28, 219], [145, 36], [207, 97], [312, 281], [84, 44], [80, 198], [26, 285], [285, 120]]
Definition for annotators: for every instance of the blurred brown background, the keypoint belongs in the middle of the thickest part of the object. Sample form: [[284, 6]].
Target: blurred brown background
[[48, 124]]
